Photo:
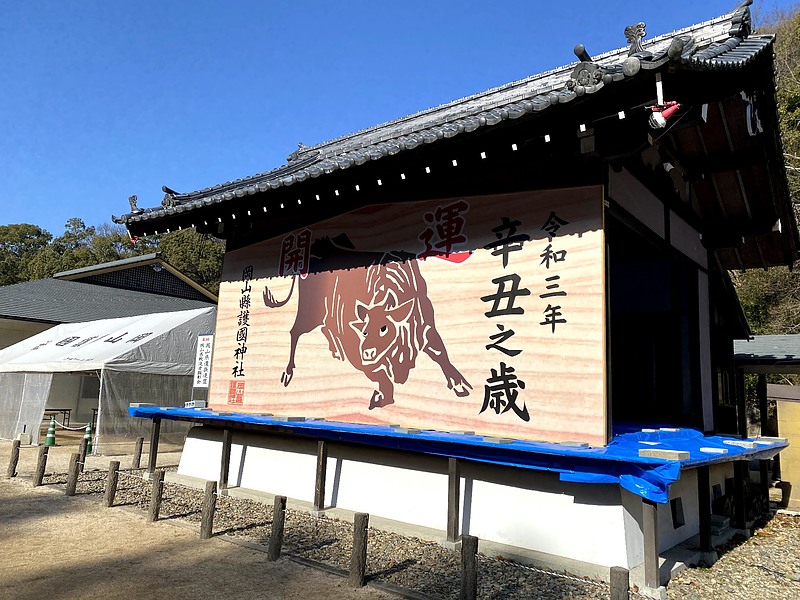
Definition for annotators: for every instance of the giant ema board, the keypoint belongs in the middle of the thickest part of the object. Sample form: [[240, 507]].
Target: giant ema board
[[482, 314]]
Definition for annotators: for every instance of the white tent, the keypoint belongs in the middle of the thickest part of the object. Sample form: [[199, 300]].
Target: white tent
[[102, 366]]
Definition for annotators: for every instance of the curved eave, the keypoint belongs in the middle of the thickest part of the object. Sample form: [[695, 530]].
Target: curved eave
[[527, 97]]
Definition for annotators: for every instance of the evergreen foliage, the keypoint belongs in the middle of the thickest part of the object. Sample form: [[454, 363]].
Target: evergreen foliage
[[28, 252], [771, 299]]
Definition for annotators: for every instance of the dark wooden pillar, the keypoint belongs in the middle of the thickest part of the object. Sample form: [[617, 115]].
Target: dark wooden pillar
[[322, 471], [652, 578], [763, 466], [739, 497], [225, 460], [741, 405], [776, 461], [762, 404], [152, 459], [453, 499], [704, 507]]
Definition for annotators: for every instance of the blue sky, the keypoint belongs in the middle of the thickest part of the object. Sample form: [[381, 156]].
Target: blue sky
[[100, 100]]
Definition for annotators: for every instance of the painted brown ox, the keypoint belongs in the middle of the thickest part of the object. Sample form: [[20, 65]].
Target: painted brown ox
[[375, 313]]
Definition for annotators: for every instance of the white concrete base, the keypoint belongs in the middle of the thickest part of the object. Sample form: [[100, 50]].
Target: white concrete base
[[438, 536], [659, 593], [529, 516]]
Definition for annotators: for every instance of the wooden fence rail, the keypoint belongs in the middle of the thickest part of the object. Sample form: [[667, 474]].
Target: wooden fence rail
[[110, 491], [13, 460], [74, 471], [82, 452], [156, 493], [136, 461], [469, 567], [276, 534], [358, 561], [620, 583], [41, 466], [209, 508]]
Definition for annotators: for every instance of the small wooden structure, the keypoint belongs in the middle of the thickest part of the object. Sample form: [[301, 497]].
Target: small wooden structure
[[787, 400], [779, 405], [139, 285]]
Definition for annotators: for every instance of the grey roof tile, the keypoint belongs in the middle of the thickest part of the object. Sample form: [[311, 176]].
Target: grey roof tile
[[61, 301], [125, 262], [767, 348]]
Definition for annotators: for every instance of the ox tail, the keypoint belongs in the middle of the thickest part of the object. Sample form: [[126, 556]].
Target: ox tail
[[269, 299]]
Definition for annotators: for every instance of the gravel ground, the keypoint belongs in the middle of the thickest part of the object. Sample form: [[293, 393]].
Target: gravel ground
[[410, 563], [765, 566]]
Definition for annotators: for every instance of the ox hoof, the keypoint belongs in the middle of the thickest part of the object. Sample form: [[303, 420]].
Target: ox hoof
[[462, 390], [286, 378], [378, 400]]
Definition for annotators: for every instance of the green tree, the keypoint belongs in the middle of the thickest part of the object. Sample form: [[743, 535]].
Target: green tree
[[71, 250], [83, 246], [771, 299], [18, 244], [28, 252], [197, 256], [786, 27], [111, 242]]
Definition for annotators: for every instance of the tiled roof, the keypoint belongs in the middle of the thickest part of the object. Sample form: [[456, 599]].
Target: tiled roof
[[60, 301], [718, 44], [768, 348], [134, 274], [125, 262]]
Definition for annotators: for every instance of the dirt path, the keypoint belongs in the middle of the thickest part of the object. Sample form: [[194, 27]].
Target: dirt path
[[57, 547]]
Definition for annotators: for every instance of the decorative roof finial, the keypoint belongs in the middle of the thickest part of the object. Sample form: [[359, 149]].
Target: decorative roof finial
[[741, 23], [169, 197], [132, 201], [581, 53], [634, 34], [296, 154]]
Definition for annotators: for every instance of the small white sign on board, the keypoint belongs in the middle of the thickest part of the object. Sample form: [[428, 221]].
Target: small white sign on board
[[202, 361]]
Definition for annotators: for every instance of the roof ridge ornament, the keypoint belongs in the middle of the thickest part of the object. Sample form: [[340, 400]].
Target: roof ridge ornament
[[682, 47], [132, 201], [587, 76], [302, 151], [581, 53], [741, 22], [634, 35], [169, 197], [301, 147]]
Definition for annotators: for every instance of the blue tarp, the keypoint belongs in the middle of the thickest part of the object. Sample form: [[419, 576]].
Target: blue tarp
[[618, 462]]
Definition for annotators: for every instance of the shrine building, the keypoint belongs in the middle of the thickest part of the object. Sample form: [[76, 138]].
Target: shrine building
[[511, 315]]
